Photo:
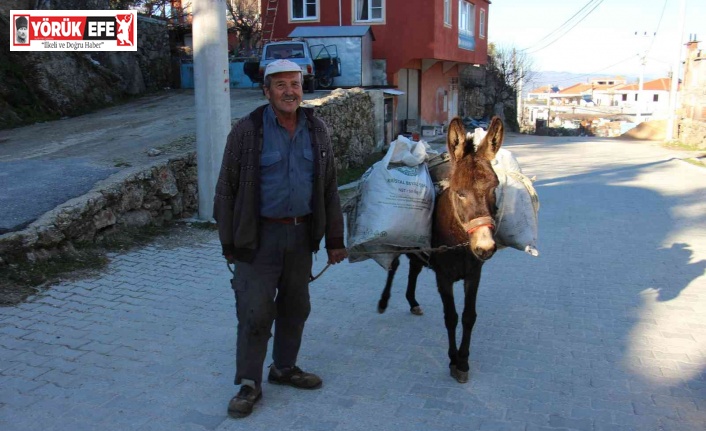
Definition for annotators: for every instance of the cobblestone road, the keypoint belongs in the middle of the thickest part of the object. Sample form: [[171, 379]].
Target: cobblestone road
[[604, 331]]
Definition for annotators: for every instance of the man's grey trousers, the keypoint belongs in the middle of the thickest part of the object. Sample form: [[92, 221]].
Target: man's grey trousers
[[273, 287]]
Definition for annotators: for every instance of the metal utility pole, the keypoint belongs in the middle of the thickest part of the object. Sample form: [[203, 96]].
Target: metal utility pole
[[638, 102], [212, 93], [518, 87], [639, 97], [669, 133], [520, 104]]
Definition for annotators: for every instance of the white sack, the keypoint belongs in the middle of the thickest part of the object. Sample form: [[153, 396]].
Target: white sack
[[516, 222], [394, 205]]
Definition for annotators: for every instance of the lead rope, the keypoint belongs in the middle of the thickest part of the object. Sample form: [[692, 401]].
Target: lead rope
[[440, 249]]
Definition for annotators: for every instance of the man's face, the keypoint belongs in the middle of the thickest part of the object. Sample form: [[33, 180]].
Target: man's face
[[22, 33], [285, 92]]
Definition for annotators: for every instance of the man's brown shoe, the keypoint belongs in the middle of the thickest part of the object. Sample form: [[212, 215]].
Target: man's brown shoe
[[294, 376], [242, 404]]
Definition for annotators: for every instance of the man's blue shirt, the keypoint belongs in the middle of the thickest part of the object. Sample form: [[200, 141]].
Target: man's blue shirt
[[286, 168]]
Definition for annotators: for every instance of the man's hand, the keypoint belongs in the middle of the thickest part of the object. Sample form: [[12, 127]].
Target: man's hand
[[336, 255], [229, 258]]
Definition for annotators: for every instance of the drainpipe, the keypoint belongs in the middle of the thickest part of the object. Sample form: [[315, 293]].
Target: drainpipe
[[638, 115], [340, 19]]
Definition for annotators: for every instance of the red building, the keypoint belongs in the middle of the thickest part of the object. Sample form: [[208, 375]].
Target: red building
[[423, 45]]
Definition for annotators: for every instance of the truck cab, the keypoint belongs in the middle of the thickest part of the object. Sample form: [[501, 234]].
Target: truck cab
[[296, 51]]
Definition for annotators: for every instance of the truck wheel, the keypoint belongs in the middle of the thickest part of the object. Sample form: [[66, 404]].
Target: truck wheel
[[310, 85]]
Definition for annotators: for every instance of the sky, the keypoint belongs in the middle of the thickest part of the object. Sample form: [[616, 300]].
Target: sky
[[604, 42]]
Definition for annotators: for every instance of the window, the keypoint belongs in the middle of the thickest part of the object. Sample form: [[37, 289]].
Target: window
[[466, 15], [635, 97], [655, 98], [625, 97], [481, 30], [304, 9], [447, 12], [284, 50], [369, 10]]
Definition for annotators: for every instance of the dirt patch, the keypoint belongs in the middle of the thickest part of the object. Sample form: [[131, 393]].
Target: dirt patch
[[648, 131]]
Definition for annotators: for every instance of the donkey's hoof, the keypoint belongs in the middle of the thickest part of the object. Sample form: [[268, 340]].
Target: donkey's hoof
[[381, 307], [460, 376], [417, 311]]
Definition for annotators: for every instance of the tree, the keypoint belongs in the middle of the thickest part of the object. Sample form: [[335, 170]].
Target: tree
[[244, 20], [512, 67], [493, 89]]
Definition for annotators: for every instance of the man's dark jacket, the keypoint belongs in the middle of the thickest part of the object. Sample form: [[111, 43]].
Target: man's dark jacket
[[237, 202]]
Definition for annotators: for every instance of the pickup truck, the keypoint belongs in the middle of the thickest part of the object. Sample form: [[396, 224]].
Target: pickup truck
[[316, 71]]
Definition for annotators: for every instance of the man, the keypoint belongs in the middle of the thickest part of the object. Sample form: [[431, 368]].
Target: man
[[275, 200], [21, 31]]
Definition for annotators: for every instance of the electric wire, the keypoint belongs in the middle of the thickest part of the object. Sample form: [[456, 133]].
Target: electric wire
[[659, 23], [562, 25], [534, 50]]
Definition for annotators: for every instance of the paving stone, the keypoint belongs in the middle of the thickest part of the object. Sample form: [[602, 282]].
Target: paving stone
[[602, 332]]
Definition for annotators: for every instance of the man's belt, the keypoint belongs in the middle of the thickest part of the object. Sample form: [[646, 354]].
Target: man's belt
[[288, 220]]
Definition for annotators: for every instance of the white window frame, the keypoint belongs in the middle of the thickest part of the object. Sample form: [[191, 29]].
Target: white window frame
[[466, 17], [447, 13], [304, 16], [482, 24], [358, 5]]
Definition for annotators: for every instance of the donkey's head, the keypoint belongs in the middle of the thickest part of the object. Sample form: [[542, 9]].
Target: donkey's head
[[472, 184]]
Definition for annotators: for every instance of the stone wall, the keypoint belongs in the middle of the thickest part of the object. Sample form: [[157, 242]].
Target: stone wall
[[693, 132], [7, 5], [152, 195], [131, 198], [349, 115]]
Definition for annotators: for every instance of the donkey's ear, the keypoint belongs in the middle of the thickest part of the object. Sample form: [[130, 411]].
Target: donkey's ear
[[493, 139], [456, 139]]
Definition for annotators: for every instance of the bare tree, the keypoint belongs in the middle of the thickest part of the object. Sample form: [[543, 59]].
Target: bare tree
[[512, 68], [493, 89], [72, 4], [244, 20]]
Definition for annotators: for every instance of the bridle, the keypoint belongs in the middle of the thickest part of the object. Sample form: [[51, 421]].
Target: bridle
[[474, 224], [477, 223]]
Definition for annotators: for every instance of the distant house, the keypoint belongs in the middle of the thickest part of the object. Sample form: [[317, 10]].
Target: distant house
[[654, 99], [598, 91], [542, 94], [420, 46]]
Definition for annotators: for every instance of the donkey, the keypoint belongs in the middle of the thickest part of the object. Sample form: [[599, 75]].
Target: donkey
[[463, 220]]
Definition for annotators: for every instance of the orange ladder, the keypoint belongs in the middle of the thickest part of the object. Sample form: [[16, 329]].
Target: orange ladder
[[268, 24]]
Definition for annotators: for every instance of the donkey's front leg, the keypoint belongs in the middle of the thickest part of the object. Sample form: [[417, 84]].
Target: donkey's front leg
[[468, 319], [450, 319], [385, 297], [415, 267]]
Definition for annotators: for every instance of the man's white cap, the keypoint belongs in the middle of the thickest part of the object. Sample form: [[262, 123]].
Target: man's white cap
[[279, 66]]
